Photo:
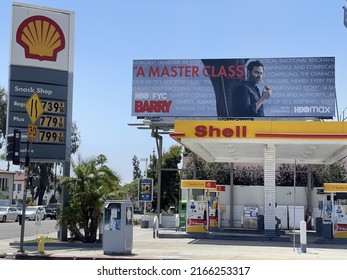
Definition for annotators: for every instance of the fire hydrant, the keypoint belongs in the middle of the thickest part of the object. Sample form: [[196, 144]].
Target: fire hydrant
[[41, 245]]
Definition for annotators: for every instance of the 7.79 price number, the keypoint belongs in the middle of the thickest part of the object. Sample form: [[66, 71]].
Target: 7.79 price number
[[51, 136], [52, 121]]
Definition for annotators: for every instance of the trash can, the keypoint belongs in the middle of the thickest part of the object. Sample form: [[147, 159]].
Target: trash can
[[319, 226], [144, 224], [328, 230], [117, 227]]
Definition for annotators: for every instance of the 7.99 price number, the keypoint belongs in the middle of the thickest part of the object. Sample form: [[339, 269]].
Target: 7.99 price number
[[51, 136]]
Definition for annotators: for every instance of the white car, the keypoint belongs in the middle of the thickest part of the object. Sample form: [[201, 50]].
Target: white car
[[32, 211], [9, 213]]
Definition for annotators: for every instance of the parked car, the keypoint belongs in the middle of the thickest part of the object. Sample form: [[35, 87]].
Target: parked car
[[32, 211], [9, 213], [18, 206], [51, 210]]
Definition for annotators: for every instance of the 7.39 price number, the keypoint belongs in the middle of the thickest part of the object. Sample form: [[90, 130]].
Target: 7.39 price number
[[51, 136], [53, 107]]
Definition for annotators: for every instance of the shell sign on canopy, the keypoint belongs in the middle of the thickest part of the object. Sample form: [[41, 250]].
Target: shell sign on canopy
[[42, 37]]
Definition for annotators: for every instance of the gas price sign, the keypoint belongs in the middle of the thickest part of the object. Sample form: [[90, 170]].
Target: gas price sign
[[46, 112]]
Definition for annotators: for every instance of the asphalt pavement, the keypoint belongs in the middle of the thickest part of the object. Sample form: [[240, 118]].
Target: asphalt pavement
[[176, 245]]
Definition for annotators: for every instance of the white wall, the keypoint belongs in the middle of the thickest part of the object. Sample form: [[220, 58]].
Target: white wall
[[254, 196]]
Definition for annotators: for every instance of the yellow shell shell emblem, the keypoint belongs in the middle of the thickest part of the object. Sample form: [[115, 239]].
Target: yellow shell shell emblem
[[41, 37]]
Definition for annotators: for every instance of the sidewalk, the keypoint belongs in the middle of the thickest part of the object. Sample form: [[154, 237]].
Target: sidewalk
[[174, 245]]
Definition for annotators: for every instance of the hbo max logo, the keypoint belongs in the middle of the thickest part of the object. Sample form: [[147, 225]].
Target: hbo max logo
[[312, 109]]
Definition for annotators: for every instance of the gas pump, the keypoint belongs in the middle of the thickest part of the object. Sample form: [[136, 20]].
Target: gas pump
[[212, 200], [182, 210], [197, 194], [215, 212], [196, 216], [336, 208]]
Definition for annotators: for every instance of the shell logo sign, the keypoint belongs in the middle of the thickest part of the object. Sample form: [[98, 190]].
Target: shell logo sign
[[41, 37]]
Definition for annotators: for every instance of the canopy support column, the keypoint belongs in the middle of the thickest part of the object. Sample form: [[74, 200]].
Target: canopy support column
[[269, 190]]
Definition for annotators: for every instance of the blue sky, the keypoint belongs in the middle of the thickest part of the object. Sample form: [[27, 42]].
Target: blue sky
[[110, 34]]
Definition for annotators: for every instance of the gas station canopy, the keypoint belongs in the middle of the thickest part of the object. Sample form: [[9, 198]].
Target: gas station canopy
[[305, 142]]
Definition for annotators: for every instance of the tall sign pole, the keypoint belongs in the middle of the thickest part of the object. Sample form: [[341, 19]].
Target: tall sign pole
[[26, 180]]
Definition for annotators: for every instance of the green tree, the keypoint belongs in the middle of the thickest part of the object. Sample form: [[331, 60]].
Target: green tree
[[136, 168], [170, 182], [93, 183], [152, 170], [54, 184], [333, 173], [249, 176], [206, 171], [131, 190], [75, 138], [285, 175], [170, 186], [44, 170]]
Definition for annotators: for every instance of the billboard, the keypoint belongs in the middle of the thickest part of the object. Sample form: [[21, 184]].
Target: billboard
[[300, 87]]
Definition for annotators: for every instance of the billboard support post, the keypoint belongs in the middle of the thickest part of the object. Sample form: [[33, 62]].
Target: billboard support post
[[159, 143]]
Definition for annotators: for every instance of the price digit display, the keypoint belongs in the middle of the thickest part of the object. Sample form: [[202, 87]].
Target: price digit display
[[52, 121], [53, 107], [51, 136]]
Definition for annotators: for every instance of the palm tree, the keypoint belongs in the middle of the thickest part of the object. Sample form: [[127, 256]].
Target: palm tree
[[93, 183]]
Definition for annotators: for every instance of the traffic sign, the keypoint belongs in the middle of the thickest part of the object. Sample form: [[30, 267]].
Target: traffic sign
[[34, 107], [32, 132]]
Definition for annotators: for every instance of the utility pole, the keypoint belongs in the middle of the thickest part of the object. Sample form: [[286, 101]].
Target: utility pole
[[26, 183]]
